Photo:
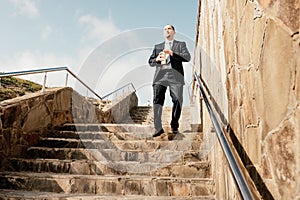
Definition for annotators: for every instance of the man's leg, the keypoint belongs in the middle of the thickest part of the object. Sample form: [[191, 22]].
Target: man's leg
[[158, 102], [176, 92]]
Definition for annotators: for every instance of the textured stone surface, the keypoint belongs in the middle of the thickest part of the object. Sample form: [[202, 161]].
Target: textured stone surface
[[276, 75], [245, 34], [13, 195], [286, 10], [280, 149], [261, 68], [24, 119], [128, 163]]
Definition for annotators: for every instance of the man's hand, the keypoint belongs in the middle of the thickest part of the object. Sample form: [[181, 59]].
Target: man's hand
[[161, 57], [168, 51]]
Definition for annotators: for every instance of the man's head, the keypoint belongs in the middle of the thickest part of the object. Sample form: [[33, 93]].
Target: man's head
[[169, 32]]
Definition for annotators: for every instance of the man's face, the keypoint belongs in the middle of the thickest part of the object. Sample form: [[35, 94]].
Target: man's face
[[169, 32]]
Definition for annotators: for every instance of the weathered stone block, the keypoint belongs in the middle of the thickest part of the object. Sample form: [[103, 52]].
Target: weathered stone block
[[197, 170], [162, 188], [229, 34], [248, 95], [244, 35], [179, 188], [287, 11], [84, 185], [281, 150], [132, 187], [62, 100], [109, 187], [297, 84], [258, 39], [148, 187], [253, 144], [201, 189], [276, 79], [11, 116], [38, 117]]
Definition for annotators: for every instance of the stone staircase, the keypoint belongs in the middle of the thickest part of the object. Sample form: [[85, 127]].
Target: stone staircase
[[112, 161]]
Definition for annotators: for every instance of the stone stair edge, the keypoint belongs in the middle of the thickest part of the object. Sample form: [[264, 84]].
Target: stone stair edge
[[103, 162], [87, 167], [54, 176], [65, 148], [92, 150], [91, 134], [105, 132], [134, 140], [19, 194], [105, 124]]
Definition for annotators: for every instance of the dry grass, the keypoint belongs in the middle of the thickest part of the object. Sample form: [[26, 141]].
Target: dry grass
[[12, 87]]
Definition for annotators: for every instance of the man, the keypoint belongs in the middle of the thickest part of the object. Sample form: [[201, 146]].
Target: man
[[167, 57]]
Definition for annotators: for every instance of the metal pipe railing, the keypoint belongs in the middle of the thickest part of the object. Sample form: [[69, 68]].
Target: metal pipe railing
[[70, 72], [55, 69], [236, 171], [34, 71], [45, 70], [119, 89]]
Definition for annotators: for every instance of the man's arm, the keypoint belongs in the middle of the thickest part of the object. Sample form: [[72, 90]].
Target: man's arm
[[182, 53], [152, 60]]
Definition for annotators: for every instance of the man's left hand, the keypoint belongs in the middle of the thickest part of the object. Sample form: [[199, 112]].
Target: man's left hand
[[168, 51]]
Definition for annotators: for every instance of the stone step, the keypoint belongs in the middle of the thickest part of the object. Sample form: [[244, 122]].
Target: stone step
[[114, 155], [116, 135], [107, 185], [200, 169], [115, 128], [190, 142], [17, 195], [98, 135], [106, 127]]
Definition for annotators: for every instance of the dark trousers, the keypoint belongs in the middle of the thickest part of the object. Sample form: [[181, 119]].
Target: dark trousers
[[176, 93]]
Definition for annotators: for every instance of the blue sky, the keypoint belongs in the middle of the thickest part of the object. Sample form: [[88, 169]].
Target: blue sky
[[46, 33]]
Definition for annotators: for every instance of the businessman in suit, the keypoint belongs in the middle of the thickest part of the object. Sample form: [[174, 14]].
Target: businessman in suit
[[167, 57]]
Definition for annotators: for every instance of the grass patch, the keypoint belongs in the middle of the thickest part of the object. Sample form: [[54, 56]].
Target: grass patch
[[12, 87]]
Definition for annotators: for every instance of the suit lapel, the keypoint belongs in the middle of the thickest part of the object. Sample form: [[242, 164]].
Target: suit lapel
[[161, 46], [174, 46]]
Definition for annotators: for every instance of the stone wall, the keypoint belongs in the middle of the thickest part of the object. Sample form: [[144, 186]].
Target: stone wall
[[120, 108], [248, 53], [24, 119]]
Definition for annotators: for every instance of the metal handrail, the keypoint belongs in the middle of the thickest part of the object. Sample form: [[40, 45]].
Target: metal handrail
[[34, 71], [237, 173], [54, 69], [128, 84]]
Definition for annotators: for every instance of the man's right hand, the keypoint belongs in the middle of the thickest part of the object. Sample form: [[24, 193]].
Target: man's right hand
[[161, 57]]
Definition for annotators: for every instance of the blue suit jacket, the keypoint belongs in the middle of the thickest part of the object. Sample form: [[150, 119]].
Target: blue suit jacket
[[180, 54]]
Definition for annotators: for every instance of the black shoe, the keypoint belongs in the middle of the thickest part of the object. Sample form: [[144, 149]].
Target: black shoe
[[158, 133], [175, 131]]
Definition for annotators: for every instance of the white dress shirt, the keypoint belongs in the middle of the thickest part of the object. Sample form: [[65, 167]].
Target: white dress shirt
[[168, 45]]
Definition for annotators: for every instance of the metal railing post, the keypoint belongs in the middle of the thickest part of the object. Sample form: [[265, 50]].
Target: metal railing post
[[87, 93], [67, 76], [44, 84]]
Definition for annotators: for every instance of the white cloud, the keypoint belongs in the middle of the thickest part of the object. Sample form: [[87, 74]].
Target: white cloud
[[25, 8], [35, 59], [97, 30]]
